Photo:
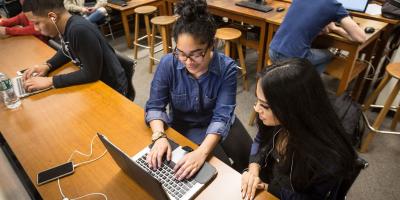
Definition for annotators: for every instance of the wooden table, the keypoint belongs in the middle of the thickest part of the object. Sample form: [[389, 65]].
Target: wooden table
[[343, 69], [49, 126], [129, 10]]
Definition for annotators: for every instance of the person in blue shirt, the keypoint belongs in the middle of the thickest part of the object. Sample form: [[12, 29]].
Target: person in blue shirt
[[304, 21], [301, 150], [199, 86]]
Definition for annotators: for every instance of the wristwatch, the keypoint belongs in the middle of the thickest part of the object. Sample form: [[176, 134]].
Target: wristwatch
[[157, 135]]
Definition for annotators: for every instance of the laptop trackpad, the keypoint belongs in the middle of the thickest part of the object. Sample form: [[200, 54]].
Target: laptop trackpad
[[206, 172]]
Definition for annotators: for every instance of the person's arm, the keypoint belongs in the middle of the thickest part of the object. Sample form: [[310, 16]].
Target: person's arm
[[218, 127], [10, 22], [87, 47], [351, 30], [155, 115], [72, 7], [26, 30], [225, 103], [100, 3], [250, 178]]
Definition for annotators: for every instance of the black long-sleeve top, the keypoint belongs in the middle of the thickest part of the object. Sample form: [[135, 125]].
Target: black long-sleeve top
[[88, 49]]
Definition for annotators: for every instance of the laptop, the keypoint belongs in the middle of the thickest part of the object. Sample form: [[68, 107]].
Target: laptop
[[161, 183], [18, 84], [118, 2], [354, 5]]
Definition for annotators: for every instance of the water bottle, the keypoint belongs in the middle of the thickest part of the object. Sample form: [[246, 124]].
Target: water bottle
[[8, 95]]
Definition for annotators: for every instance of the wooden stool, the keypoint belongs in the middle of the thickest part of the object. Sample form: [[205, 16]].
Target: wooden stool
[[146, 11], [392, 71], [163, 23], [232, 35]]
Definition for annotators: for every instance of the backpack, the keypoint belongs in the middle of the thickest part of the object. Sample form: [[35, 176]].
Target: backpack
[[350, 114], [391, 9], [10, 8]]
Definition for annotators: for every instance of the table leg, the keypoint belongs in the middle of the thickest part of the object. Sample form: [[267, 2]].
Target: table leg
[[261, 49], [125, 24], [348, 69], [271, 30]]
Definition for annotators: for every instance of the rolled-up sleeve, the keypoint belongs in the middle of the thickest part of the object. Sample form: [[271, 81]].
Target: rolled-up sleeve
[[159, 93], [223, 114], [255, 155]]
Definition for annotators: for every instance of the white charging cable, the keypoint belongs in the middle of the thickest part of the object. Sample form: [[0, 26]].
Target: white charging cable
[[80, 164]]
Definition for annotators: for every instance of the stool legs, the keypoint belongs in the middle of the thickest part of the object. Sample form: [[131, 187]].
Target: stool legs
[[395, 119], [242, 66], [228, 48], [153, 34], [381, 115], [135, 47], [164, 39], [147, 24], [375, 94]]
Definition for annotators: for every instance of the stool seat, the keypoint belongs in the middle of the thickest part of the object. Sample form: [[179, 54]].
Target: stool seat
[[145, 9], [228, 34], [163, 20], [394, 70]]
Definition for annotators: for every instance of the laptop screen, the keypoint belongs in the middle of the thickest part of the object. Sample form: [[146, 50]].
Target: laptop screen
[[354, 5]]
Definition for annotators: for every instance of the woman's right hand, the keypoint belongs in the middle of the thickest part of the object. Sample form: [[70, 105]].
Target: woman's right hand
[[40, 70], [155, 156], [251, 181]]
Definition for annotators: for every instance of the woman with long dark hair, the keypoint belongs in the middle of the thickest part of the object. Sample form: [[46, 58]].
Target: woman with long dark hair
[[199, 86], [301, 150]]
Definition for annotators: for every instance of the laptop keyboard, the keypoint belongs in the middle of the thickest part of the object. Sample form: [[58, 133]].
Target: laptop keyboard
[[165, 175], [21, 88]]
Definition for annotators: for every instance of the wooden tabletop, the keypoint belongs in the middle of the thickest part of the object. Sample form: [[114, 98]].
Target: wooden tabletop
[[49, 126], [130, 4]]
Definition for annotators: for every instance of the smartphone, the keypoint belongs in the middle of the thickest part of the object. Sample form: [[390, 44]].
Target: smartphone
[[55, 173]]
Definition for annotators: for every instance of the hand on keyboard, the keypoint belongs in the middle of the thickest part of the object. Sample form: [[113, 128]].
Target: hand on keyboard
[[39, 70], [37, 83], [157, 152], [189, 164]]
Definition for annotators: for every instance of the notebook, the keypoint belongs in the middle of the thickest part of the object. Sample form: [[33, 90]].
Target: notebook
[[161, 183]]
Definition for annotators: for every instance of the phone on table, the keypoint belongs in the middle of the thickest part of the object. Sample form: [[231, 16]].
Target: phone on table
[[55, 173]]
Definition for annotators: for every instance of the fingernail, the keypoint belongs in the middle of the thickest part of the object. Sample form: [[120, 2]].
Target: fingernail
[[252, 198]]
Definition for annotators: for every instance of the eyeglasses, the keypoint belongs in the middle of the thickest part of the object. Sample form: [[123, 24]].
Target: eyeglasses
[[195, 56], [262, 103]]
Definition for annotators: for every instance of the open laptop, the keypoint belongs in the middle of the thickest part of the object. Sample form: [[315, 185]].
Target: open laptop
[[354, 5], [160, 183], [18, 84]]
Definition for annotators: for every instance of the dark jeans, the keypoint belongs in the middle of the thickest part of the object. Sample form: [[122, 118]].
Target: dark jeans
[[318, 57]]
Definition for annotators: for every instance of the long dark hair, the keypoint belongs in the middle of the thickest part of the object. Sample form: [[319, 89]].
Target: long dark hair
[[316, 140], [195, 20]]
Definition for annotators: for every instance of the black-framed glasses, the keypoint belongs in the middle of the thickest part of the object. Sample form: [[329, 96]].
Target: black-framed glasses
[[195, 56]]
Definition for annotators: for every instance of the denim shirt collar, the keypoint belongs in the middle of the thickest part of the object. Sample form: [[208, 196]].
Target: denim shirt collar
[[213, 66]]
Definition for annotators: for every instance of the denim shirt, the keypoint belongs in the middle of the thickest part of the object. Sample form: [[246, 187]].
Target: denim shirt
[[208, 101]]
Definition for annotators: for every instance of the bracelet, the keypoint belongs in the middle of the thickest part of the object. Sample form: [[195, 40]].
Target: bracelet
[[161, 136]]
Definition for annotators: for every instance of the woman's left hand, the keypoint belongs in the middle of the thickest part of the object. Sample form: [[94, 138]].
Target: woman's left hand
[[190, 164]]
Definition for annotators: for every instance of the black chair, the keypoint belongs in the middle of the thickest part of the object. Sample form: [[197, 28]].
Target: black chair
[[126, 63], [129, 67], [237, 146], [348, 182]]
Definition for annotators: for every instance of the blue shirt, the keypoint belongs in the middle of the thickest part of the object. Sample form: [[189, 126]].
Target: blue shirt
[[303, 22], [209, 101]]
